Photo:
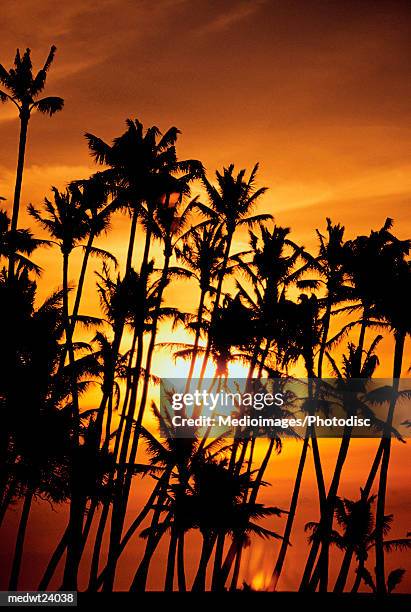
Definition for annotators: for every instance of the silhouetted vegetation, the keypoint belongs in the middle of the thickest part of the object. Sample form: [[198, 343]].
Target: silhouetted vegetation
[[78, 424]]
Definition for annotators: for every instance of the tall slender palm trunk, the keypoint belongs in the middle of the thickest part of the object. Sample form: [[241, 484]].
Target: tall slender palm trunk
[[54, 561], [133, 231], [171, 560], [291, 515], [365, 493], [200, 311], [199, 582], [294, 498], [327, 515], [21, 534], [78, 501], [77, 300], [218, 562], [181, 576], [235, 551], [382, 487], [236, 571], [358, 576], [104, 401], [7, 498], [216, 305], [24, 123], [124, 477]]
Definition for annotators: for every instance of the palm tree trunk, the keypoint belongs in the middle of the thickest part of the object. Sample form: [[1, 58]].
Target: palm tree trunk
[[199, 583], [132, 239], [327, 517], [216, 306], [218, 561], [171, 560], [324, 337], [235, 549], [357, 581], [317, 460], [382, 488], [236, 572], [54, 561], [125, 475], [332, 494], [81, 280], [79, 292], [229, 560], [181, 578], [21, 534], [78, 502], [140, 578], [365, 492], [196, 340], [291, 516], [24, 122], [120, 438], [344, 570], [96, 581], [95, 560]]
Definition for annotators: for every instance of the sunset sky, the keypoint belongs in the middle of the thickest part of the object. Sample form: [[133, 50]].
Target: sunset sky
[[318, 92]]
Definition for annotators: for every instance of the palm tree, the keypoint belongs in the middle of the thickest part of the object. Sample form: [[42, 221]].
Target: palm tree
[[233, 330], [19, 244], [139, 184], [169, 221], [275, 436], [141, 188], [91, 196], [173, 458], [230, 205], [202, 253], [23, 89], [42, 442], [124, 300], [384, 281], [356, 519], [352, 380], [332, 271], [303, 319], [394, 308], [66, 221], [271, 271]]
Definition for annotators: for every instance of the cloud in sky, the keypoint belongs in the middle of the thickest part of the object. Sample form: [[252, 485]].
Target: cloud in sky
[[231, 13]]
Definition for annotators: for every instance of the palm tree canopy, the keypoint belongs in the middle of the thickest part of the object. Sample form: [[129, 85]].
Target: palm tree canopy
[[140, 163], [23, 86], [65, 219], [234, 197]]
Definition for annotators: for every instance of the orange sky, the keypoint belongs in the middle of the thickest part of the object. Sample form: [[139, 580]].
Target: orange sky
[[320, 97]]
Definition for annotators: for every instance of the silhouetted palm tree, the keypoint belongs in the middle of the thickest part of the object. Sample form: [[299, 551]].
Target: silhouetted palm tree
[[23, 90], [271, 270], [202, 253], [356, 518], [304, 319], [19, 244], [230, 205], [384, 281], [352, 389], [42, 442]]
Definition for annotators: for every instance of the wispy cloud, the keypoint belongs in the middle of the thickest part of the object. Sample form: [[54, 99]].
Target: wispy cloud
[[233, 14]]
